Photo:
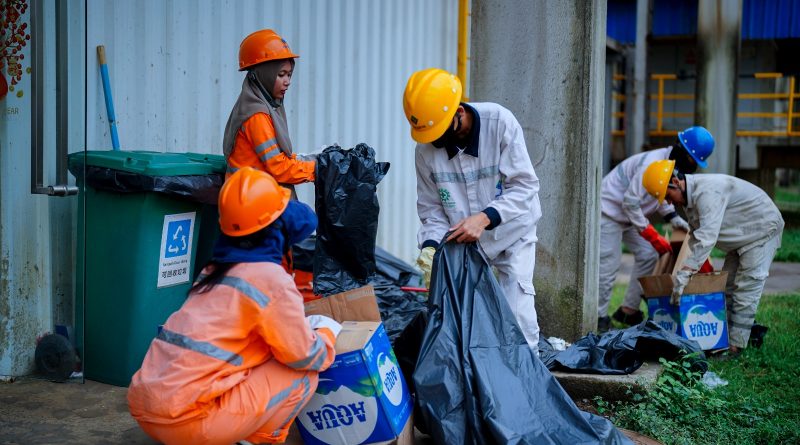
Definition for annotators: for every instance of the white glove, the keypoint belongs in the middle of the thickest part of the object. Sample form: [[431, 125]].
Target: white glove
[[679, 223], [679, 282], [321, 321], [314, 154]]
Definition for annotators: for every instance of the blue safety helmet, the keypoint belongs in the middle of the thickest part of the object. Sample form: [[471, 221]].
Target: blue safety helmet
[[699, 143]]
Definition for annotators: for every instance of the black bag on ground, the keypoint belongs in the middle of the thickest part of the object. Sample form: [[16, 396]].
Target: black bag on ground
[[477, 381], [622, 351], [347, 208]]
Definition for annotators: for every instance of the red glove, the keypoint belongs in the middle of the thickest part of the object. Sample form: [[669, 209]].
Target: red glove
[[706, 267], [659, 243]]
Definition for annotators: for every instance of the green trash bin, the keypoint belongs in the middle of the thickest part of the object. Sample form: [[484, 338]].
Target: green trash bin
[[149, 218]]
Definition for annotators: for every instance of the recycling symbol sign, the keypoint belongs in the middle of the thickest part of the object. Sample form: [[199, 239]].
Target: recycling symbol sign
[[177, 235], [174, 266]]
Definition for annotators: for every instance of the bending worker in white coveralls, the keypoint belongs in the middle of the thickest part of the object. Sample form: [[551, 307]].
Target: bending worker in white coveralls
[[475, 179], [735, 216], [626, 207]]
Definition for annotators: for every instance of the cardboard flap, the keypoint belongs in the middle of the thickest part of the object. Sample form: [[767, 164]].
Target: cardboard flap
[[354, 305], [656, 285], [355, 335], [704, 283], [666, 263]]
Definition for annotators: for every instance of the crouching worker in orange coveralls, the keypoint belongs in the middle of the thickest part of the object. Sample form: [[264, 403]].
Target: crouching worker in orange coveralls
[[239, 359]]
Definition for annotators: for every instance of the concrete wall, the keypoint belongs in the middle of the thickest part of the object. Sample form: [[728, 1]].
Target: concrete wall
[[545, 61], [37, 232]]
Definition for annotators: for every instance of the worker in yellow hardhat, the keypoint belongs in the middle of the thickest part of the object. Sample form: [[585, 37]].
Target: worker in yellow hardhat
[[257, 134], [735, 216], [239, 359], [625, 211], [475, 179]]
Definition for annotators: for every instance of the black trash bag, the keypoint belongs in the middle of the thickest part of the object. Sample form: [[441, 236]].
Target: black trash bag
[[623, 351], [394, 268], [196, 188], [347, 208], [303, 254], [398, 307], [477, 381]]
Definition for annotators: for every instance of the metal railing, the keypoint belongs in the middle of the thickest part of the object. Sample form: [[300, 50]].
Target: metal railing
[[660, 98]]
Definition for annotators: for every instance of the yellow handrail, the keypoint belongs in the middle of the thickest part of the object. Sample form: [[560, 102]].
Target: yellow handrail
[[791, 95], [791, 107]]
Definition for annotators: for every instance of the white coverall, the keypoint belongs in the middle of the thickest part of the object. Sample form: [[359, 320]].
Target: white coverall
[[741, 220], [498, 174], [625, 206]]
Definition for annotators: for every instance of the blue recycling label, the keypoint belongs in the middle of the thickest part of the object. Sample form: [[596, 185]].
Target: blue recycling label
[[177, 242]]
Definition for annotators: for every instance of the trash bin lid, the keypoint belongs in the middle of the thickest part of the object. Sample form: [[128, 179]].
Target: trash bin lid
[[217, 161], [152, 163]]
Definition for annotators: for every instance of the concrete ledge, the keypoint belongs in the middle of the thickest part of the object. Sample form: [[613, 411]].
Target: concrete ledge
[[609, 387]]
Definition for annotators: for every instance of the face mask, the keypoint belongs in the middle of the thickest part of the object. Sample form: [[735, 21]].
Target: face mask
[[449, 138]]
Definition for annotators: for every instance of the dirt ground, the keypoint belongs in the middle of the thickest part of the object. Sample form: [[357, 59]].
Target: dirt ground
[[36, 411]]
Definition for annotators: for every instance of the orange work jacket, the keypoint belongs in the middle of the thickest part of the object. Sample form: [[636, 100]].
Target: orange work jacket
[[257, 147], [209, 345]]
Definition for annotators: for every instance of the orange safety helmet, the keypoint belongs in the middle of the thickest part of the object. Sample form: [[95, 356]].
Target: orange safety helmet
[[249, 201], [430, 101], [263, 46]]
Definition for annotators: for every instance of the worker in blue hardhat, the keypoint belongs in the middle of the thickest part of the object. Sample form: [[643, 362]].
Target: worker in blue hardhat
[[626, 207]]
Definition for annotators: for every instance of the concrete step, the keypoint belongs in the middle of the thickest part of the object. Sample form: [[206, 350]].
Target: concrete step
[[609, 387]]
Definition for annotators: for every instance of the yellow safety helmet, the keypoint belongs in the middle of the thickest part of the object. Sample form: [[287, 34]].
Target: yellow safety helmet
[[656, 178], [430, 102]]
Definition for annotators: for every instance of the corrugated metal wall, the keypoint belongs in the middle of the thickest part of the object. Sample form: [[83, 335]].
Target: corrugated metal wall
[[173, 68]]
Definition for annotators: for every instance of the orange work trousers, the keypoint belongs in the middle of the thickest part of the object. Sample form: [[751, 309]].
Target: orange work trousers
[[260, 409]]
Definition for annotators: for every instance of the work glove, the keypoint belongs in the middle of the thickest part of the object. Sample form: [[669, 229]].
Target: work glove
[[321, 321], [679, 223], [315, 154], [425, 263], [679, 282], [658, 242]]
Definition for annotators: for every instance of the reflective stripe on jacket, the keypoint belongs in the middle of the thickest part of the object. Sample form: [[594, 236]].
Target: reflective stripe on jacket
[[729, 213], [210, 344], [501, 177], [624, 198], [257, 147]]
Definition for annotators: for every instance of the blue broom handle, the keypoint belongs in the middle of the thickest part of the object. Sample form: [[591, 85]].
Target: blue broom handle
[[112, 118]]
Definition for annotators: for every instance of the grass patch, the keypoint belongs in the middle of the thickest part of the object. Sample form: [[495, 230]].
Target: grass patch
[[787, 197], [759, 405], [790, 246]]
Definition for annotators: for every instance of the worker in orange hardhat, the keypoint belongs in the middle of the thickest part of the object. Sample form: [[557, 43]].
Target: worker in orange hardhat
[[239, 359], [475, 179], [735, 216], [257, 134], [625, 211]]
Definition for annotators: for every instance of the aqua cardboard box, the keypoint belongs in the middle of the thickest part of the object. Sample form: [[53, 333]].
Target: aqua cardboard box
[[362, 398], [701, 315]]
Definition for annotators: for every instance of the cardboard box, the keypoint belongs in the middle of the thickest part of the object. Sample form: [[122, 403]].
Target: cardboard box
[[362, 398], [701, 315], [354, 305]]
